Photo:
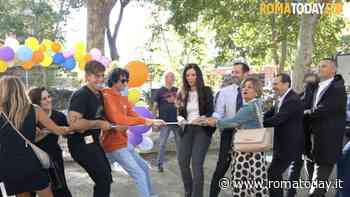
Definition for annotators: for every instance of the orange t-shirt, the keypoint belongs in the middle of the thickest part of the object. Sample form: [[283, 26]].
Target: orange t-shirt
[[119, 111]]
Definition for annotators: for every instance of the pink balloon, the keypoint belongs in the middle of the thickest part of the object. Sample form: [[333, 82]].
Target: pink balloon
[[105, 61], [95, 53], [68, 54]]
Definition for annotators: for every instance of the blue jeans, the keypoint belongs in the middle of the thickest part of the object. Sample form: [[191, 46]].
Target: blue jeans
[[135, 166], [163, 138], [344, 172]]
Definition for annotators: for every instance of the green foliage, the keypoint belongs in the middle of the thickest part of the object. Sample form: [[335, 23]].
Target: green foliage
[[30, 17], [241, 30]]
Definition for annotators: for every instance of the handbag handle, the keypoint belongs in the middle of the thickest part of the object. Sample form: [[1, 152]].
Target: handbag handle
[[259, 115], [19, 133]]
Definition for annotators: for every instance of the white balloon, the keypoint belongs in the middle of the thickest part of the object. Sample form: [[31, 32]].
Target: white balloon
[[146, 144], [11, 42]]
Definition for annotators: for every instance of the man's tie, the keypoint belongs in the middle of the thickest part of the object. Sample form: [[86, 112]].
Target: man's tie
[[239, 100]]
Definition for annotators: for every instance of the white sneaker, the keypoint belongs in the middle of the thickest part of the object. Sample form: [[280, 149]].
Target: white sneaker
[[118, 168]]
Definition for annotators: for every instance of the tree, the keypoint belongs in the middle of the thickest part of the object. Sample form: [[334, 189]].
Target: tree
[[241, 30], [28, 17], [99, 24], [305, 49]]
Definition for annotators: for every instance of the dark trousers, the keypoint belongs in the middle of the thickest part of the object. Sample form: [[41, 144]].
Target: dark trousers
[[92, 158], [223, 162], [321, 173], [193, 146], [294, 173], [344, 172], [275, 172]]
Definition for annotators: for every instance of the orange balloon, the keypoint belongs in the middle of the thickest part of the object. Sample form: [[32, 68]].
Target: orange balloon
[[38, 56], [56, 47], [87, 57], [138, 73], [27, 65]]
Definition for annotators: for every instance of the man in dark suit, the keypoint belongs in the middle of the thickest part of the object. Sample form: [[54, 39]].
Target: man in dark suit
[[328, 117], [310, 83], [287, 118]]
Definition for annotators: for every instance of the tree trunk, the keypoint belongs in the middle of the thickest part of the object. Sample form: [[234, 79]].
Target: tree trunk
[[305, 49], [283, 56], [96, 24], [274, 40], [112, 37]]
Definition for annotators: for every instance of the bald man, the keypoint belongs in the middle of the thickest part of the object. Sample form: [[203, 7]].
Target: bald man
[[328, 116], [165, 105]]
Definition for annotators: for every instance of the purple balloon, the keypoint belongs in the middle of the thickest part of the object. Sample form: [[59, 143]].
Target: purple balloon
[[134, 139], [144, 112], [6, 53]]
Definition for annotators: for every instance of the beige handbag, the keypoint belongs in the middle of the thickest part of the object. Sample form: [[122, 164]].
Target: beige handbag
[[254, 140], [40, 154]]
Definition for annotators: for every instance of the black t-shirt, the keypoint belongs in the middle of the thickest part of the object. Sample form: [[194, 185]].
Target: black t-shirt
[[167, 110], [50, 142], [90, 106]]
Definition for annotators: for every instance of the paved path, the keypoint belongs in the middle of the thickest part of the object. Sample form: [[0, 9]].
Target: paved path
[[167, 184]]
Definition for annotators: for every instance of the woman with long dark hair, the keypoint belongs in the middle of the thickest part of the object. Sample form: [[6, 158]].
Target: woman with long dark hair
[[194, 102], [41, 97]]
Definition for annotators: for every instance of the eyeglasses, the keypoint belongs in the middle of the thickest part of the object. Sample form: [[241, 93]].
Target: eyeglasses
[[124, 80]]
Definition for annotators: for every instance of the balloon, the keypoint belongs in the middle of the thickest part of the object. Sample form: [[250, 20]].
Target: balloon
[[47, 61], [148, 133], [11, 42], [24, 53], [105, 61], [56, 47], [3, 66], [134, 139], [82, 65], [6, 53], [68, 53], [32, 43], [38, 56], [95, 53], [79, 57], [69, 64], [47, 43], [134, 95], [28, 65], [138, 73], [144, 112], [87, 57], [146, 144], [42, 48], [58, 58], [79, 47]]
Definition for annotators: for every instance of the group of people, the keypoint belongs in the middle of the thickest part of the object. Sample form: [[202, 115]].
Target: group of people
[[307, 127]]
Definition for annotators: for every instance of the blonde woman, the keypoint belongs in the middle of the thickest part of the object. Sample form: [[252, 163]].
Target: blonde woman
[[20, 170], [246, 167]]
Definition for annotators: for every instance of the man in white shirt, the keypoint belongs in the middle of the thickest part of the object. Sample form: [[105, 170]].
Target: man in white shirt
[[328, 117], [229, 100]]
